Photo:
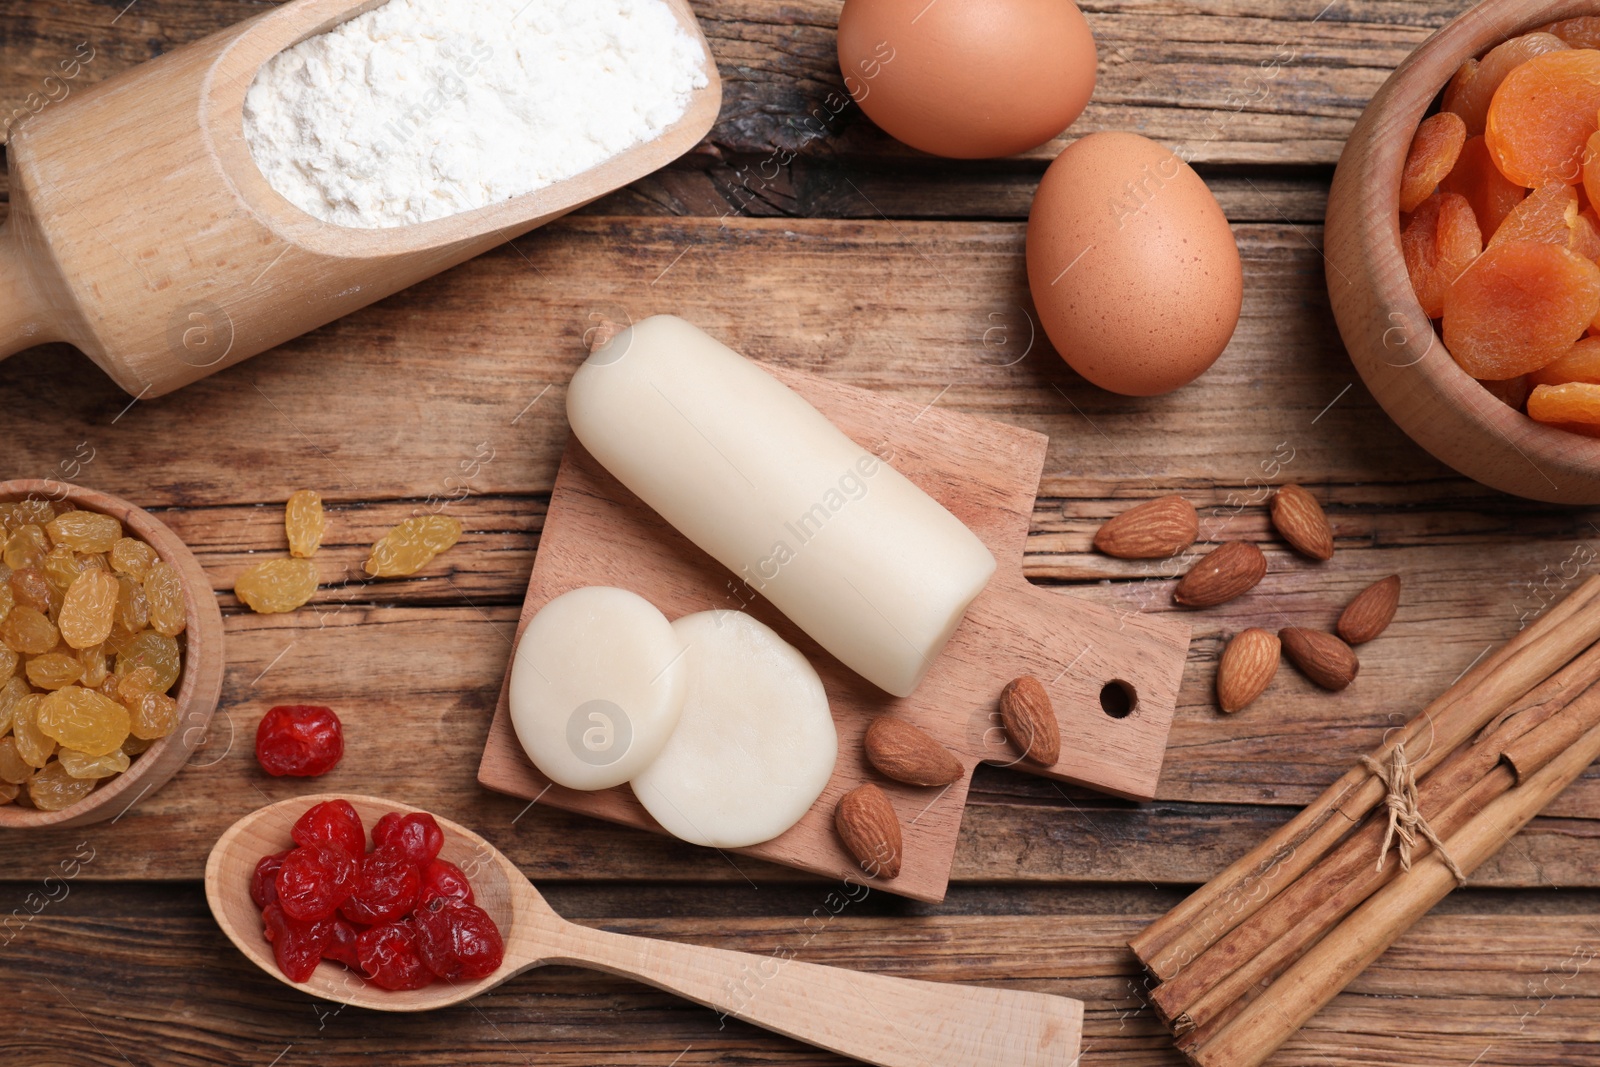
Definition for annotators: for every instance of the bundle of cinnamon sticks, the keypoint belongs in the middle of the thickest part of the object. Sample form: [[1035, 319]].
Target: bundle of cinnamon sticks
[[1249, 959]]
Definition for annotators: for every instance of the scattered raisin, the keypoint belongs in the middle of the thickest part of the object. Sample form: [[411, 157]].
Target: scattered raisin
[[304, 523], [277, 585], [412, 545]]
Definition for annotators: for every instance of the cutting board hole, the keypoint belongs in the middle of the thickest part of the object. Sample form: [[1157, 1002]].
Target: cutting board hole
[[1118, 699]]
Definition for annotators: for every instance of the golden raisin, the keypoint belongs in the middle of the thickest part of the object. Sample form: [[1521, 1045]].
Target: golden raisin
[[26, 547], [154, 716], [85, 531], [35, 511], [156, 651], [54, 670], [12, 690], [89, 609], [83, 719], [53, 789], [13, 768], [7, 598], [164, 592], [82, 765], [304, 523], [32, 589], [96, 667], [29, 631], [33, 745], [277, 585], [412, 545], [133, 607], [9, 662], [132, 557]]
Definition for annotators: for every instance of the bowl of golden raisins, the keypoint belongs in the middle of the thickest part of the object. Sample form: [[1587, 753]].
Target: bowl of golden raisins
[[110, 654]]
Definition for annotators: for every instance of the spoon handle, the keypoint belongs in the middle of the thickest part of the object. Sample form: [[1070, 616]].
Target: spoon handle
[[893, 1022]]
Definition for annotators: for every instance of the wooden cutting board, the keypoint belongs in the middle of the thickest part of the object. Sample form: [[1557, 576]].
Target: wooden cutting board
[[1095, 662]]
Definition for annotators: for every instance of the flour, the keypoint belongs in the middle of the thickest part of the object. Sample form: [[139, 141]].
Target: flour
[[421, 109]]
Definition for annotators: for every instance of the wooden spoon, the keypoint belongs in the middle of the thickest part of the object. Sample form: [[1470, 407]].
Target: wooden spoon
[[896, 1022], [142, 231]]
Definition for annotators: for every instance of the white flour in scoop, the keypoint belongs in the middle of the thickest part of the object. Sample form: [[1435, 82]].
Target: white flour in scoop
[[421, 109]]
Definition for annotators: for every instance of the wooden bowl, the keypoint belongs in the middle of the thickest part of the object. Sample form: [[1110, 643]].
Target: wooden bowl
[[1391, 341], [198, 686]]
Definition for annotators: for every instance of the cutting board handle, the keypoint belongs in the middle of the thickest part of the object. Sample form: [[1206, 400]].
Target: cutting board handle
[[25, 318]]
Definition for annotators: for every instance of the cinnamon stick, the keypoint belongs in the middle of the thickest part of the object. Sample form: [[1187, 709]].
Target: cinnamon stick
[[1505, 676], [1275, 935], [1318, 976]]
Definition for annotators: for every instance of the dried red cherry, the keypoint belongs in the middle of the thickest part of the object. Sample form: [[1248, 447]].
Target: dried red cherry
[[300, 740], [333, 822], [341, 946], [389, 959], [314, 880], [458, 941], [443, 880], [386, 890], [297, 946], [417, 835], [264, 882]]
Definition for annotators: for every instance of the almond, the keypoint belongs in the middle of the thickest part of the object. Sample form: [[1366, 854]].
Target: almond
[[1370, 613], [1030, 720], [1153, 530], [909, 753], [1246, 669], [870, 830], [1321, 657], [1230, 571], [1300, 520]]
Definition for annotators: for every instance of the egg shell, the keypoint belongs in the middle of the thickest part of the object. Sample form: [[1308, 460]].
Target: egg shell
[[968, 79], [1133, 268]]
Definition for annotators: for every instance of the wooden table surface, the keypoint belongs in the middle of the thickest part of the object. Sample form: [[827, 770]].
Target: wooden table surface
[[808, 239]]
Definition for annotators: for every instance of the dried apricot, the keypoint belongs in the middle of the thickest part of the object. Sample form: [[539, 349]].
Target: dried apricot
[[53, 789], [85, 531], [1473, 87], [89, 609], [1434, 151], [1439, 242], [1580, 364], [1583, 32], [82, 719], [1491, 194], [1572, 402], [277, 585], [164, 591], [412, 545], [1546, 215], [304, 523], [1542, 115], [1520, 306]]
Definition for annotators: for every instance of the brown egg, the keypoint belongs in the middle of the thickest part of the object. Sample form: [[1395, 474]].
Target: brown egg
[[968, 79], [1133, 268]]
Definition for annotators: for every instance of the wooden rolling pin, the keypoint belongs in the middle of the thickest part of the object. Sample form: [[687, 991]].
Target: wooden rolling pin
[[142, 231]]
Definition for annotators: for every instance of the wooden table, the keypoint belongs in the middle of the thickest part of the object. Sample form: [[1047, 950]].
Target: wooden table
[[865, 262]]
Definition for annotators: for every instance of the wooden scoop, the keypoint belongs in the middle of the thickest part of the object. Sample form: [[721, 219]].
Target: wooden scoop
[[142, 231], [896, 1022]]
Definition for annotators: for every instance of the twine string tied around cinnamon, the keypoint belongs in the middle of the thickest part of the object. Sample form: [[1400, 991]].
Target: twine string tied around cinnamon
[[1406, 821]]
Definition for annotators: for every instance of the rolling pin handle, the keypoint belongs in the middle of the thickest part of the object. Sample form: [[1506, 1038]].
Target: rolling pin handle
[[25, 319]]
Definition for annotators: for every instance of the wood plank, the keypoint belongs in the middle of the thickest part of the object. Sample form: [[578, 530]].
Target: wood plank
[[416, 688], [1242, 81], [111, 975], [930, 312]]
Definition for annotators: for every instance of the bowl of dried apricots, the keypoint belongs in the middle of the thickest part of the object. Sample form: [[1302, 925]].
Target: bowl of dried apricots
[[1462, 245], [110, 654]]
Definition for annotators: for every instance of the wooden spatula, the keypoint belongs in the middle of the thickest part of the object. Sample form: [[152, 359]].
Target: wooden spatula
[[142, 231]]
